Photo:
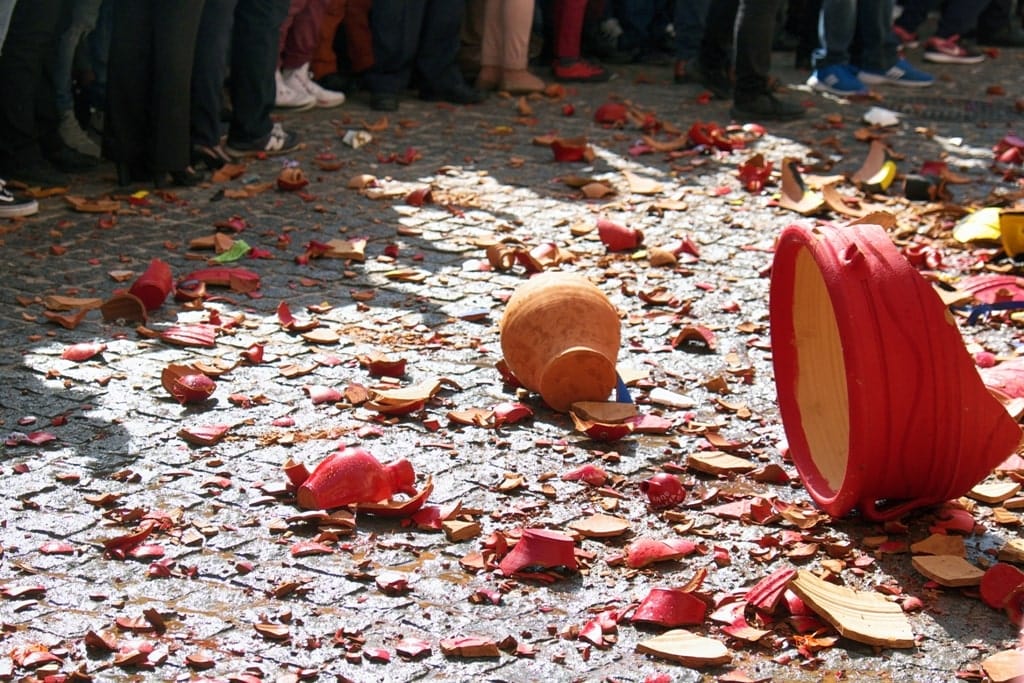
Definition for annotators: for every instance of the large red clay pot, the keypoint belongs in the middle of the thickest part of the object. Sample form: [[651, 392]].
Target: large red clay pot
[[879, 398], [560, 336]]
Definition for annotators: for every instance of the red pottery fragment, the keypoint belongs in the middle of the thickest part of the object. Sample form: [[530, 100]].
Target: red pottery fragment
[[645, 551], [618, 237], [296, 472], [238, 279], [83, 351], [400, 508], [153, 285], [193, 388], [291, 178], [663, 490], [570, 149], [351, 476], [998, 584], [588, 473], [540, 548], [766, 593], [879, 398], [670, 607], [989, 288], [611, 114]]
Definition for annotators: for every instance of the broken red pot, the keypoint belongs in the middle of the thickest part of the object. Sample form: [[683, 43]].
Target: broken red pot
[[352, 476], [560, 336], [611, 114], [153, 286], [540, 548], [618, 237], [879, 398], [663, 490], [291, 178], [670, 607]]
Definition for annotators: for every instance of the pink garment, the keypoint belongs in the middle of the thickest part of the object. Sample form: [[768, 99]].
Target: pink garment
[[506, 33], [300, 32]]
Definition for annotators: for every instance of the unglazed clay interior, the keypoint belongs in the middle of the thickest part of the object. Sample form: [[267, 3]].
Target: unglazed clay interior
[[821, 372]]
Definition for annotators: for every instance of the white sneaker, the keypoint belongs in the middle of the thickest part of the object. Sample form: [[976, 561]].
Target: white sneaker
[[299, 81], [290, 98], [74, 137]]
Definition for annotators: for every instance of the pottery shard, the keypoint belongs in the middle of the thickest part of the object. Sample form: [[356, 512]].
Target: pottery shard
[[860, 616], [600, 526], [687, 648], [458, 530], [940, 544], [994, 492], [948, 570], [716, 462], [1004, 667], [1013, 551]]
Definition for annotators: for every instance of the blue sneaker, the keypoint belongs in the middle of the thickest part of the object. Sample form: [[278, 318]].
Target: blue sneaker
[[900, 73], [838, 79]]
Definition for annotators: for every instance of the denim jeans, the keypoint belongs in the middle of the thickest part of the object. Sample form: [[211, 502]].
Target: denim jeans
[[6, 9], [83, 19], [837, 24], [875, 45], [688, 21], [254, 42]]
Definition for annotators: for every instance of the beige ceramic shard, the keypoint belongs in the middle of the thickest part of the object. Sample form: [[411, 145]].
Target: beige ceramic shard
[[1004, 667], [940, 544], [795, 194], [860, 616], [716, 462], [948, 570], [687, 648], [994, 492], [600, 526]]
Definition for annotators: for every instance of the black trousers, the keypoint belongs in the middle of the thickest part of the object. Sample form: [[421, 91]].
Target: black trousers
[[749, 26], [415, 37], [28, 104], [254, 55], [151, 49]]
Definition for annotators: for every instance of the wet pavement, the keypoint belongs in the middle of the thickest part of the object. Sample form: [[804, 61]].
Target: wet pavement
[[232, 583]]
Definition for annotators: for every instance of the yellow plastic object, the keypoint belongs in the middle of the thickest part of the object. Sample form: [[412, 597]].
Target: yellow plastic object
[[980, 226], [1011, 230]]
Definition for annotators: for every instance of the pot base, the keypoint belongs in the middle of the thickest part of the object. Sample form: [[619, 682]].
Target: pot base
[[577, 374]]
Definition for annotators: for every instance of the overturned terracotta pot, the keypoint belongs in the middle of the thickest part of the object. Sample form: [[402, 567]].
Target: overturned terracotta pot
[[560, 336], [879, 398]]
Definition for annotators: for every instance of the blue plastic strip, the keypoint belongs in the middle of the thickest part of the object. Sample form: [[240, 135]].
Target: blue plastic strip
[[984, 309], [621, 391]]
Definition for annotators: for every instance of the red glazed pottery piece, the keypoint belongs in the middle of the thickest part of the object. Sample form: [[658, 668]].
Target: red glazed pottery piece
[[879, 397], [663, 490], [351, 476], [560, 336], [153, 286], [540, 548]]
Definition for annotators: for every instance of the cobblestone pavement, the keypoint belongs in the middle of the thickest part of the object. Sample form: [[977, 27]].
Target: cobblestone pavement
[[223, 586]]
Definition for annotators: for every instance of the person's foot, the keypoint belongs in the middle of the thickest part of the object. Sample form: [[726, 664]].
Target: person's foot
[[908, 39], [765, 107], [579, 71], [718, 82], [299, 80], [384, 101], [278, 141], [520, 82], [288, 98], [687, 71], [337, 82], [14, 205], [69, 160], [489, 78], [838, 79], [187, 177], [459, 93], [901, 73], [74, 137], [211, 156], [950, 51]]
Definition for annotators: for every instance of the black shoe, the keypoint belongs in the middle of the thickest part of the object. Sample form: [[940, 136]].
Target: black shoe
[[187, 177], [652, 57], [70, 160], [34, 173], [131, 173], [337, 83], [1007, 36], [213, 157], [765, 107], [718, 81], [383, 101], [456, 94]]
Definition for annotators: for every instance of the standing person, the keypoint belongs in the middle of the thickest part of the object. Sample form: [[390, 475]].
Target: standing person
[[957, 18], [569, 66], [146, 126], [750, 27], [31, 151], [255, 38], [688, 21], [83, 20], [418, 38], [300, 33], [12, 205], [505, 47]]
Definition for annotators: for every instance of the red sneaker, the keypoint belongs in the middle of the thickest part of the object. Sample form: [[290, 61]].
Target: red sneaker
[[907, 39], [579, 71], [950, 51]]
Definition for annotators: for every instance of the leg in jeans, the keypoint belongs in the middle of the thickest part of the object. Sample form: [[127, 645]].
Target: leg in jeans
[[876, 44], [755, 30], [636, 18], [395, 28], [254, 44], [959, 17], [914, 14], [83, 19], [436, 57], [836, 25], [688, 21], [209, 69]]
